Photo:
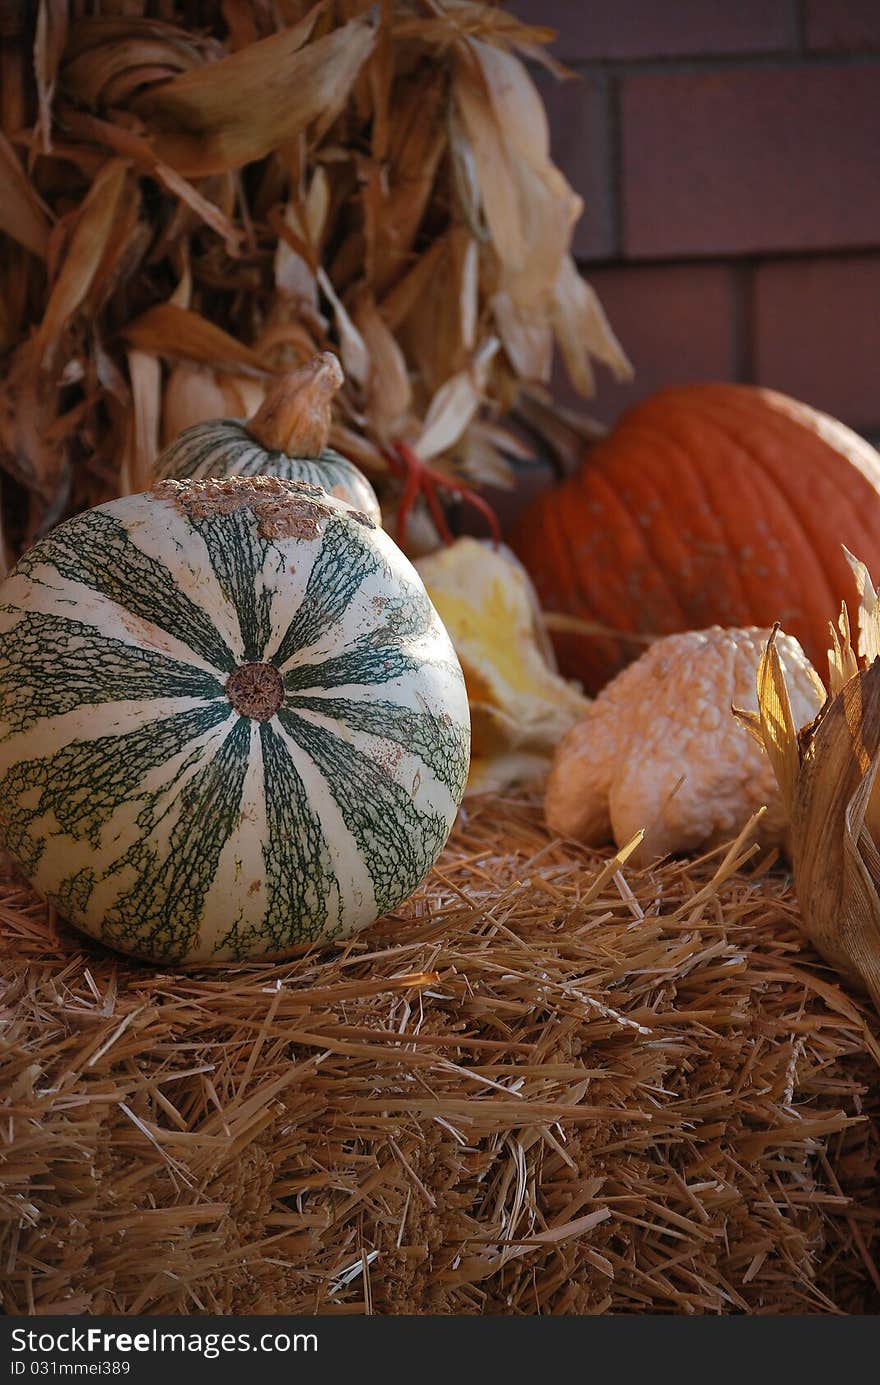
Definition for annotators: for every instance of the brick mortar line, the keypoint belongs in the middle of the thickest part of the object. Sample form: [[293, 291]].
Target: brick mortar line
[[742, 321], [754, 258], [612, 162], [738, 62]]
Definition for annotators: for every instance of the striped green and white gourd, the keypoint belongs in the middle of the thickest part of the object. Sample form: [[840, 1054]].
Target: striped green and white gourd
[[240, 447], [231, 721]]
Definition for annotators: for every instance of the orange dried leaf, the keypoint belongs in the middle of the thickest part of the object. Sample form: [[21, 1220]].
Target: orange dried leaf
[[22, 213], [49, 41], [582, 330], [403, 298], [226, 114], [85, 252], [352, 347], [390, 394], [181, 334], [455, 404], [142, 443]]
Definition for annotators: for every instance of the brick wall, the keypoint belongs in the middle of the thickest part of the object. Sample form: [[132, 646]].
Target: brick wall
[[728, 153]]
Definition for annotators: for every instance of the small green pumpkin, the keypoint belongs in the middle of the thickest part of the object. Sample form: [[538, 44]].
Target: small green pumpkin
[[287, 437]]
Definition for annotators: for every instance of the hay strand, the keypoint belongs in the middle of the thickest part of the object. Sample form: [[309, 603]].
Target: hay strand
[[523, 1094]]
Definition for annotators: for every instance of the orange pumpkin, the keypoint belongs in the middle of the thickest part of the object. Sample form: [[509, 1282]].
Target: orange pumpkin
[[707, 504]]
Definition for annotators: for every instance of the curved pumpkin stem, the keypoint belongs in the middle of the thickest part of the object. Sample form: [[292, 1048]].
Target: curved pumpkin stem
[[295, 416], [420, 478]]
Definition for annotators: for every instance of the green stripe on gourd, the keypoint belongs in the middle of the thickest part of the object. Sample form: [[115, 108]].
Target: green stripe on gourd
[[345, 561], [444, 747], [397, 841], [227, 447], [97, 669], [81, 785], [103, 557], [177, 770], [162, 911]]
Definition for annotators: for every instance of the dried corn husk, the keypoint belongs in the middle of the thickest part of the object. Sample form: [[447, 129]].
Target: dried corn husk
[[229, 194], [827, 775], [520, 706]]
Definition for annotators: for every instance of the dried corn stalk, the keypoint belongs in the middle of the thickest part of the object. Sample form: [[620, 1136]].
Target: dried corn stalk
[[827, 775], [192, 197]]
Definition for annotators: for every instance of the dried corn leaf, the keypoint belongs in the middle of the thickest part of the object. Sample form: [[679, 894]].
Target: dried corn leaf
[[29, 408], [583, 330], [319, 176], [294, 265], [352, 347], [196, 394], [505, 119], [89, 240], [133, 146], [418, 141], [234, 111], [406, 295], [441, 336], [838, 898], [110, 75], [22, 213], [495, 176], [456, 404], [183, 48], [389, 391], [527, 338], [182, 334], [842, 661], [869, 610], [780, 734], [49, 41], [142, 444], [192, 394], [827, 774]]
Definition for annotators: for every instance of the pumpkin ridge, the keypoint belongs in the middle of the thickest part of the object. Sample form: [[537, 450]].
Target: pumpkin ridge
[[191, 828], [557, 584], [365, 663], [793, 426], [783, 423], [762, 467], [719, 533], [224, 448], [666, 474], [654, 570], [238, 554], [218, 448]]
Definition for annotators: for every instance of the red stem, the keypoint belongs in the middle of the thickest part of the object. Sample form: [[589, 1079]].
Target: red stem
[[421, 477]]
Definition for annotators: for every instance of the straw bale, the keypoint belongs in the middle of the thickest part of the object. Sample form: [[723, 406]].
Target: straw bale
[[549, 1084]]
